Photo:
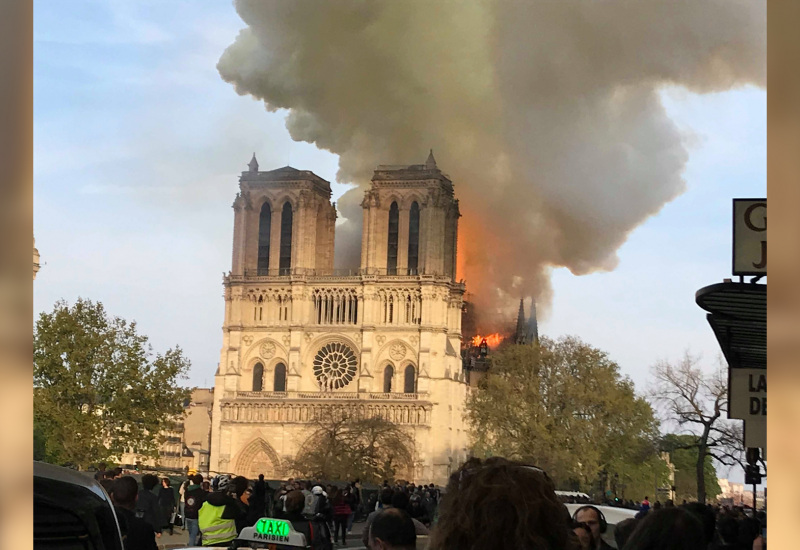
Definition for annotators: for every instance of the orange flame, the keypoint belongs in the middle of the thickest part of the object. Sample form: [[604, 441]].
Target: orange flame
[[492, 340]]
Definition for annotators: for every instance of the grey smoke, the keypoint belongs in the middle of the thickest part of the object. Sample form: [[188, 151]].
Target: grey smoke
[[545, 114]]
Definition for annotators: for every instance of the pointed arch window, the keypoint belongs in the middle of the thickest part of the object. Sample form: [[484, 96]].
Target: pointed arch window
[[264, 223], [409, 381], [258, 377], [280, 377], [286, 239], [394, 227], [413, 239], [388, 374]]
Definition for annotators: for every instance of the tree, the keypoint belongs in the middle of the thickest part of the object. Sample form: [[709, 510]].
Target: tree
[[98, 388], [698, 404], [562, 405], [342, 446], [683, 455]]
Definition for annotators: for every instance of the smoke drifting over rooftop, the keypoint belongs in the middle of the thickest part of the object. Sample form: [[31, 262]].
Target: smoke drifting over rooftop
[[545, 114]]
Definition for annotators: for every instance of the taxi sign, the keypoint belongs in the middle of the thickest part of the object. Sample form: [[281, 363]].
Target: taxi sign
[[272, 533]]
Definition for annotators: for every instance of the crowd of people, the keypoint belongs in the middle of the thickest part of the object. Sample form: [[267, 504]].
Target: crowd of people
[[496, 503]]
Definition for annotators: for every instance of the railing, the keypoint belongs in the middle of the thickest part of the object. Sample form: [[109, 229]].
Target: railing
[[308, 272], [326, 395]]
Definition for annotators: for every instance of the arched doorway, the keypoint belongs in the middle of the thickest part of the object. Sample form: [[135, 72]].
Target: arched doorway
[[258, 458]]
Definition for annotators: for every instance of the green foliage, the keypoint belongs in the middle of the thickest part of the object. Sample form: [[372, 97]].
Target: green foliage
[[562, 405], [683, 454], [98, 388], [344, 447], [641, 479]]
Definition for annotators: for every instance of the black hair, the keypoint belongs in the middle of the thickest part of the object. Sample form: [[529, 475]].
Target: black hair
[[386, 496], [394, 527], [400, 500], [239, 485], [149, 481], [706, 517], [728, 529], [668, 529], [124, 492], [623, 531]]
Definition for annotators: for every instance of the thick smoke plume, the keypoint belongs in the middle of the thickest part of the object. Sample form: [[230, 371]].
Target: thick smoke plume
[[545, 114]]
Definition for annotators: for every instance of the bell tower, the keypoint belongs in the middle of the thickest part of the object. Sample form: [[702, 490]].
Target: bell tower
[[410, 221], [283, 223]]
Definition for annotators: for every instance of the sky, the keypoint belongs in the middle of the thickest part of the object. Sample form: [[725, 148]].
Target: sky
[[139, 143]]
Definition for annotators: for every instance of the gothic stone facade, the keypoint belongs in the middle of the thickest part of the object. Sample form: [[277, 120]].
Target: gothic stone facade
[[302, 340]]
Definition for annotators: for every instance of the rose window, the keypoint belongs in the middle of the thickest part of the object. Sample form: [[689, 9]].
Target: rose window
[[335, 366]]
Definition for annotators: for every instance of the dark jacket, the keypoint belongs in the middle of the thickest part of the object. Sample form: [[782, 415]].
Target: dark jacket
[[147, 509], [193, 497], [166, 501], [136, 533], [318, 536]]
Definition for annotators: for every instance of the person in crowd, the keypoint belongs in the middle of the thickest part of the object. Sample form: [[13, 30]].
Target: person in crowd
[[584, 534], [321, 507], [341, 513], [417, 511], [384, 500], [502, 505], [707, 519], [360, 505], [217, 516], [593, 517], [194, 497], [182, 499], [351, 498], [258, 500], [623, 530], [668, 529], [392, 529], [166, 503], [137, 534], [147, 507], [240, 491], [401, 500], [727, 533], [749, 530], [316, 531], [645, 506], [107, 484], [101, 470]]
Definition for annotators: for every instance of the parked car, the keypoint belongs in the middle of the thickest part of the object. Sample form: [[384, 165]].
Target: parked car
[[71, 511]]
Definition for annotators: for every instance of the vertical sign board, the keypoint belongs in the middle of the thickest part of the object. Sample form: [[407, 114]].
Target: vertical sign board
[[747, 393], [749, 236]]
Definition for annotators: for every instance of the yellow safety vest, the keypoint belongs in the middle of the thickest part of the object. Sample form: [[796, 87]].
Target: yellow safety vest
[[213, 528]]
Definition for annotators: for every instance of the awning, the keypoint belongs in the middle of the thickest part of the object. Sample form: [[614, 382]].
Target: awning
[[738, 317]]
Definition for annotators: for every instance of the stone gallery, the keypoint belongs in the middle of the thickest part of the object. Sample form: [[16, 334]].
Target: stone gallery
[[303, 341]]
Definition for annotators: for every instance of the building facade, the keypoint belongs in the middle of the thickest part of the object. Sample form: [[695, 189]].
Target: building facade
[[303, 341]]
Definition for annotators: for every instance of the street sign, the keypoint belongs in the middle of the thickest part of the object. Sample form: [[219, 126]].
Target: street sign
[[747, 394], [749, 236], [755, 434]]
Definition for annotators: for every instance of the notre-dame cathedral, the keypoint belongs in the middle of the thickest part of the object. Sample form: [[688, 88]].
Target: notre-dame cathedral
[[301, 340]]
